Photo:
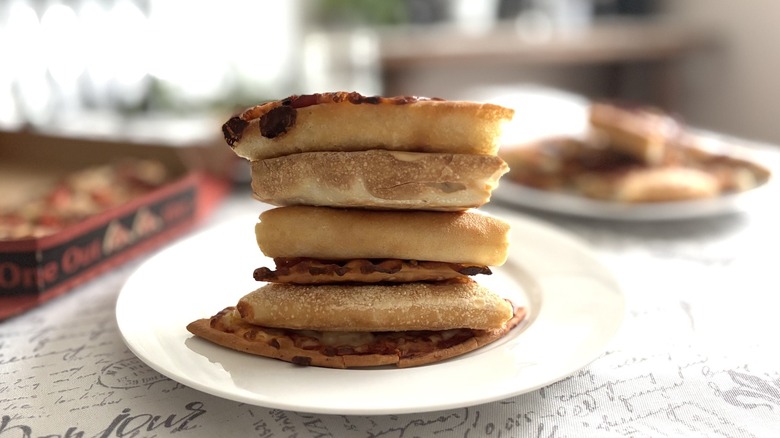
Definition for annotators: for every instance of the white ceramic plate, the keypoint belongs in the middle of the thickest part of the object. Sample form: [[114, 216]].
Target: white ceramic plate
[[510, 193], [575, 309], [521, 196]]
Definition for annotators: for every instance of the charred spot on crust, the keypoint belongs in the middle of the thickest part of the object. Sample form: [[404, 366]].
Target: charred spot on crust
[[475, 270], [263, 274], [277, 121], [233, 129], [319, 270], [355, 98], [301, 360], [304, 100]]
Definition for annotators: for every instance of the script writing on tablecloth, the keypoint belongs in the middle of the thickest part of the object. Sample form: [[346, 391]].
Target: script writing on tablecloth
[[75, 378], [65, 372]]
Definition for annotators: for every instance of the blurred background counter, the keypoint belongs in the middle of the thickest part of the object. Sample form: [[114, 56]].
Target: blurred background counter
[[99, 65], [637, 60]]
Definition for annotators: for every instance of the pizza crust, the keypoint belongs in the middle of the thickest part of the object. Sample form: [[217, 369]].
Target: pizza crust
[[227, 329], [430, 181], [582, 167], [341, 234], [376, 307], [312, 271], [642, 133], [353, 177], [416, 126]]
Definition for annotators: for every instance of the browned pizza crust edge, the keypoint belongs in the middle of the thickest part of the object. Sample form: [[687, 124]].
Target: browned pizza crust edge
[[258, 341]]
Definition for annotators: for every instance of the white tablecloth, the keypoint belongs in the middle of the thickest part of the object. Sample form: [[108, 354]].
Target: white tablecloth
[[697, 355]]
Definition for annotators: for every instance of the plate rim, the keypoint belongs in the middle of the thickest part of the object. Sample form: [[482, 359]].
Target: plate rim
[[512, 194]]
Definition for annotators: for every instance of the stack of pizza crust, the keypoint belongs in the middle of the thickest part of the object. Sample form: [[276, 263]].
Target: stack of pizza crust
[[375, 236]]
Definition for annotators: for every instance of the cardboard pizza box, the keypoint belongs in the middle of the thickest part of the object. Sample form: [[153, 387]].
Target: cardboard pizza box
[[34, 270]]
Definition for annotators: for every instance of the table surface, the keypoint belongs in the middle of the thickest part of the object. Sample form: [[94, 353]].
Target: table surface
[[696, 356]]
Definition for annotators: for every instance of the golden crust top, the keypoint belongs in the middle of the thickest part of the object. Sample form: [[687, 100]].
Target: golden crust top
[[376, 307], [342, 234], [352, 122]]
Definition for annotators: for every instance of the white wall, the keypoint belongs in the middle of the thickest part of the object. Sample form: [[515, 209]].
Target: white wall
[[734, 88]]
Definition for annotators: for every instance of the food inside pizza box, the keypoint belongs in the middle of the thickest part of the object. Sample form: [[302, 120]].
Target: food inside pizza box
[[74, 208]]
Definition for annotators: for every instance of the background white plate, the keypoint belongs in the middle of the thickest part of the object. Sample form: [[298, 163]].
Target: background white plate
[[521, 196], [575, 309], [542, 112]]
